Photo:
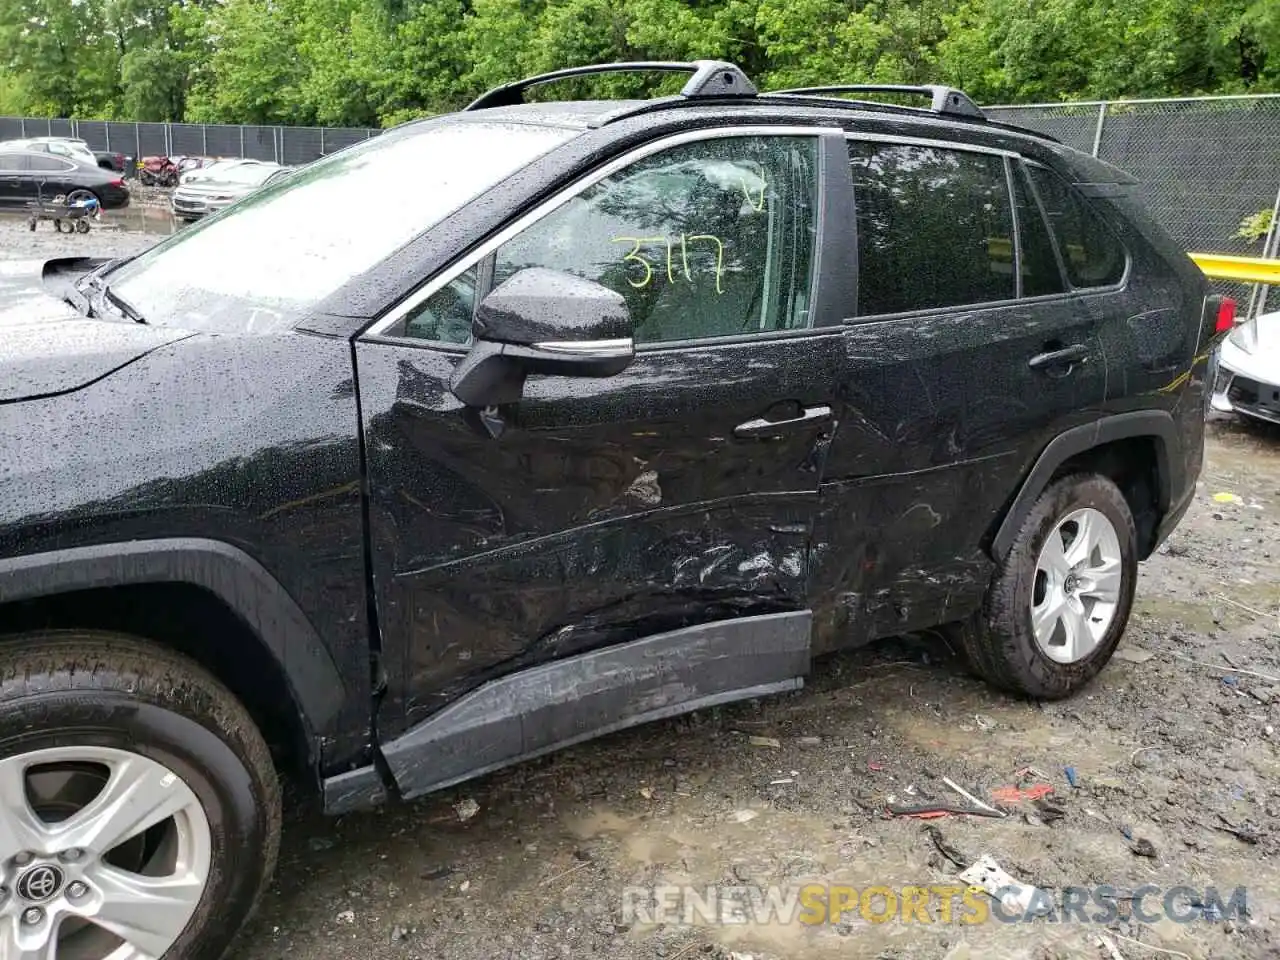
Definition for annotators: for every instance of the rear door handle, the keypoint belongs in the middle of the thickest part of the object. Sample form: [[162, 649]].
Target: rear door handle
[[1059, 358], [761, 427]]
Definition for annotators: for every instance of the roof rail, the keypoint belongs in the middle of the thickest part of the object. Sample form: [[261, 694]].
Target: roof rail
[[945, 100], [711, 78]]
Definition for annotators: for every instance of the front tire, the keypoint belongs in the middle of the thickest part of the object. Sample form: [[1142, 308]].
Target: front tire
[[138, 803], [1060, 600]]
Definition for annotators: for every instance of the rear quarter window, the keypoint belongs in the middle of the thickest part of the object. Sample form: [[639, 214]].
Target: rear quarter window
[[1092, 254]]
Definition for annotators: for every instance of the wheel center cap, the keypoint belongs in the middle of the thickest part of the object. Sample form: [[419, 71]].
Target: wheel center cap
[[40, 883], [1072, 582]]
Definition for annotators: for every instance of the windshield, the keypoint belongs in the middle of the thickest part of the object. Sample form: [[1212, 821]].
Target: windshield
[[264, 262]]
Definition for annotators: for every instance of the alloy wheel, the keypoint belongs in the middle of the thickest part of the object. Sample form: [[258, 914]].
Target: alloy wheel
[[1078, 580], [104, 855]]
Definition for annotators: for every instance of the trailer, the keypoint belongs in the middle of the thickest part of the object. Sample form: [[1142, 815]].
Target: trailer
[[66, 217]]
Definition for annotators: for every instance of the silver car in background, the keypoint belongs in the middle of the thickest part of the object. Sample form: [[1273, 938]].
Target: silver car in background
[[1248, 378], [196, 198]]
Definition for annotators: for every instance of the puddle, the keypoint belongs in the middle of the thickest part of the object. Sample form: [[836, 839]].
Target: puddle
[[147, 219], [141, 218]]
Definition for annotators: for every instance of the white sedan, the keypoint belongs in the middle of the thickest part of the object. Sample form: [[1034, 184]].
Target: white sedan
[[1248, 380]]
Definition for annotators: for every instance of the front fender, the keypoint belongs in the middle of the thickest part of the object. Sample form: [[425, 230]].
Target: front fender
[[242, 583]]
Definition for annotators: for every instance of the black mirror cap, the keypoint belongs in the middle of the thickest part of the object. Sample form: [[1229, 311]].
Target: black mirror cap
[[538, 305]]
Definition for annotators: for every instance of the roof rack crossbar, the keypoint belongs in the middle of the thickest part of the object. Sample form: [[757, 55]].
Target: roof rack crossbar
[[946, 100], [710, 78]]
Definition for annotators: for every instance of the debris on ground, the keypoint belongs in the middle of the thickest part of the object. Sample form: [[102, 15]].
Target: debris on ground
[[1227, 497], [984, 722], [1109, 947], [742, 816], [773, 742], [466, 808], [1214, 666], [990, 810], [1071, 776], [1247, 831], [346, 916], [992, 878], [1048, 811], [1133, 655], [931, 811], [1142, 847], [945, 848], [1011, 794]]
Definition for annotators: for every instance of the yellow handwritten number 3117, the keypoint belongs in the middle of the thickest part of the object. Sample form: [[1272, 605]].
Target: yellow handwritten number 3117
[[635, 256]]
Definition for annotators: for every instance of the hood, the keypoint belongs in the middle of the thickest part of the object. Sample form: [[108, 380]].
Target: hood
[[47, 347], [231, 188]]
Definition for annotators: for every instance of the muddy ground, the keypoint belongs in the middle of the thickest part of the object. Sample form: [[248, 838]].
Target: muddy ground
[[1175, 765]]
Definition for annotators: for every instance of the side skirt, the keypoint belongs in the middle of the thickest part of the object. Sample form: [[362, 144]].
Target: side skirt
[[554, 705]]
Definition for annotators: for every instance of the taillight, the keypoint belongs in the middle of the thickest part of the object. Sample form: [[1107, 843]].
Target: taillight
[[1226, 315], [117, 182]]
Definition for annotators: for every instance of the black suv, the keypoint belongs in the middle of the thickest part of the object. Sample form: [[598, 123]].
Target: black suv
[[624, 409]]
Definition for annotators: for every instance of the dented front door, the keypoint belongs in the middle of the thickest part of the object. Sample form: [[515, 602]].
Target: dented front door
[[680, 491]]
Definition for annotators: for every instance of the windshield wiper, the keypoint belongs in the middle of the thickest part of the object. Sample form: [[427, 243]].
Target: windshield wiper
[[118, 303], [123, 305]]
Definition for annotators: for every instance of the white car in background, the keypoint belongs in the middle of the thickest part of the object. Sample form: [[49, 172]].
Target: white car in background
[[216, 168], [1248, 378], [225, 185], [71, 147]]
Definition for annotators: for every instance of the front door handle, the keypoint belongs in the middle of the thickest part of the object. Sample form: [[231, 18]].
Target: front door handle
[[1062, 357], [761, 427]]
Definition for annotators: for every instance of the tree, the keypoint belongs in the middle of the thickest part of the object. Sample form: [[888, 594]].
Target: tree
[[363, 62]]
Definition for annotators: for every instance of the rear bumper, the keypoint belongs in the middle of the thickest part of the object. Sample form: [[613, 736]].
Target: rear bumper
[[1245, 384], [115, 198]]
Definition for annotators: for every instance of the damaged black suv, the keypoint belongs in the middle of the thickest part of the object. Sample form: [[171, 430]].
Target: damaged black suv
[[626, 409]]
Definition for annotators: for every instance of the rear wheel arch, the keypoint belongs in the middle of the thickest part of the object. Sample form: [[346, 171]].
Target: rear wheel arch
[[203, 598], [1141, 451]]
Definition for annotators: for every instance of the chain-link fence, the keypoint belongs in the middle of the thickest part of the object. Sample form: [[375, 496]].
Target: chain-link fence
[[1206, 163], [287, 145]]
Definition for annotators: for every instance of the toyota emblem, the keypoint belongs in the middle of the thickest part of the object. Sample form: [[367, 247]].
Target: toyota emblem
[[40, 883]]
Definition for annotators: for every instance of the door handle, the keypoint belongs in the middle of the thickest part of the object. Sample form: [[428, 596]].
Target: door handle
[[1061, 357], [761, 427]]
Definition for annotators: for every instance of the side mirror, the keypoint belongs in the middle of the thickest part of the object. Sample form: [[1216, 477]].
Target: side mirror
[[542, 321]]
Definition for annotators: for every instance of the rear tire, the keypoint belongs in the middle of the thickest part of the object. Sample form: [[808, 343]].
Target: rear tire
[[1081, 613], [121, 720]]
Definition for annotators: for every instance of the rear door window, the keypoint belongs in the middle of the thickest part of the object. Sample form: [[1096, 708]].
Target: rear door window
[[935, 227], [11, 162], [1093, 255]]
